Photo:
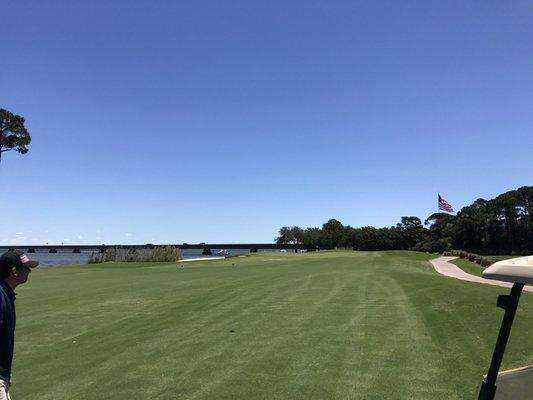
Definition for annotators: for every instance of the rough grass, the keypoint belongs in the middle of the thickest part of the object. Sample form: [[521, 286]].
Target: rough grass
[[332, 325], [469, 267], [473, 268]]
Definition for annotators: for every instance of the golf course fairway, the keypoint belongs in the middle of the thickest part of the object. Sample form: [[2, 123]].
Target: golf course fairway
[[327, 325]]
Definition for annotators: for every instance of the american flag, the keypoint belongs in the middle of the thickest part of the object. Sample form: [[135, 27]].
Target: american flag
[[444, 205]]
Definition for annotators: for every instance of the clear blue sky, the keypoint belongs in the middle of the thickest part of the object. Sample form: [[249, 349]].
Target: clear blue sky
[[221, 121]]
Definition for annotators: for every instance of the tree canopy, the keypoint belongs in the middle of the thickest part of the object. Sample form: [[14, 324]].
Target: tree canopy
[[13, 133]]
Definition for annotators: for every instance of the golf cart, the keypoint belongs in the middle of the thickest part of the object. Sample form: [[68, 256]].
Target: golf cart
[[514, 384]]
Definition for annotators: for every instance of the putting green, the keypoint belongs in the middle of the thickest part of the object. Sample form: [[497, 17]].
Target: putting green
[[330, 325]]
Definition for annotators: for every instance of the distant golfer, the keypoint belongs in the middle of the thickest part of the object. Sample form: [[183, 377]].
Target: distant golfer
[[14, 270]]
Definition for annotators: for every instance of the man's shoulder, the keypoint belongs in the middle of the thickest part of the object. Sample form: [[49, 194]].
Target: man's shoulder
[[5, 289], [3, 299], [4, 294]]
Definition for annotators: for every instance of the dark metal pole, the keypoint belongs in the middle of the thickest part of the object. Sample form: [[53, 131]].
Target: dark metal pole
[[509, 304]]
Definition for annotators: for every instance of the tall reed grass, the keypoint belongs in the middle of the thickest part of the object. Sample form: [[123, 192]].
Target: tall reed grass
[[158, 254]]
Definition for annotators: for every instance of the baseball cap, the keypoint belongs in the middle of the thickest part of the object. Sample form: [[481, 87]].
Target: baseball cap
[[17, 259]]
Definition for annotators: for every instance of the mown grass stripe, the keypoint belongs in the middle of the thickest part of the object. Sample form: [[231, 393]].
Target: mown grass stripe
[[335, 325]]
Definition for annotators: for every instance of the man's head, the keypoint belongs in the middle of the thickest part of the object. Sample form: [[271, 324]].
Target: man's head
[[15, 267]]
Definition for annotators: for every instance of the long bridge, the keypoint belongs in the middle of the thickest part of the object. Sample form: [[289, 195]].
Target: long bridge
[[77, 248]]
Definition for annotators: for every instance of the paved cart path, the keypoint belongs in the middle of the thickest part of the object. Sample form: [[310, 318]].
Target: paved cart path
[[443, 266]]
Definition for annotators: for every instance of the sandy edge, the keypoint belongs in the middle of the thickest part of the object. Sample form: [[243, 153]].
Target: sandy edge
[[202, 259]]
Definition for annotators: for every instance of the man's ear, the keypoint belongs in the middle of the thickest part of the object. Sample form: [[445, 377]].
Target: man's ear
[[14, 271]]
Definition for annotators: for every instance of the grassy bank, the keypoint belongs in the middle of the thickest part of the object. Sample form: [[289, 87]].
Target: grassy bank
[[473, 268], [469, 267], [332, 325]]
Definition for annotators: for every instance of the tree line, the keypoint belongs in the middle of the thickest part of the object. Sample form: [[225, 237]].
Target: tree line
[[502, 225]]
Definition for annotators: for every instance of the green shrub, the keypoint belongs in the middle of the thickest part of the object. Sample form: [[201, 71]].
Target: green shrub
[[462, 254], [481, 260], [486, 263], [434, 246]]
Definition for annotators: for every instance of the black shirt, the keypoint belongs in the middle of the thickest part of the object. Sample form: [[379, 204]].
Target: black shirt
[[7, 329]]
